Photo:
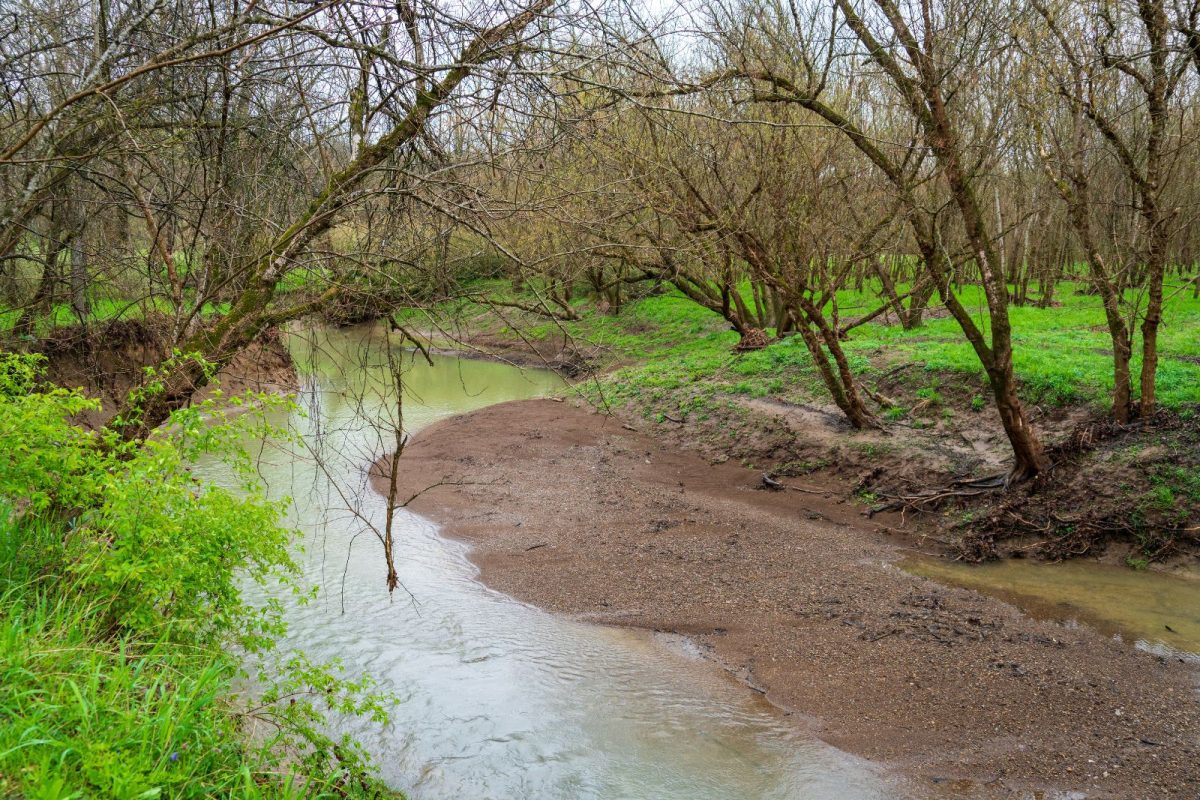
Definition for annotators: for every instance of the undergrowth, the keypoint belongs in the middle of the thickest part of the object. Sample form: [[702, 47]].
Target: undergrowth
[[124, 626]]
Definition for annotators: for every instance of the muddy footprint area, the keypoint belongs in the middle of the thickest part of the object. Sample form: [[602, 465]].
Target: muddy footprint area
[[798, 596]]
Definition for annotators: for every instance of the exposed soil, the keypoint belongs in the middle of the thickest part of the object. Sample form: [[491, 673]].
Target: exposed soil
[[1116, 491], [794, 593], [1112, 492], [109, 359], [560, 354]]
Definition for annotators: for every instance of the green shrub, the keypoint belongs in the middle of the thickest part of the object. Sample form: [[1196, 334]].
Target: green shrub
[[120, 580]]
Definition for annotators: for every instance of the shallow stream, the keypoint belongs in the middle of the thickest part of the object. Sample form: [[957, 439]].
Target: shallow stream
[[499, 699], [1156, 612]]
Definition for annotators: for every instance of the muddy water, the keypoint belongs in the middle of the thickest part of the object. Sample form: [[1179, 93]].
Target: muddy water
[[501, 700], [1156, 612]]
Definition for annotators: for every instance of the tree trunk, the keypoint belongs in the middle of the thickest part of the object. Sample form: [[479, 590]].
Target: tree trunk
[[43, 298], [917, 304], [843, 394], [1027, 448], [1150, 342], [79, 280]]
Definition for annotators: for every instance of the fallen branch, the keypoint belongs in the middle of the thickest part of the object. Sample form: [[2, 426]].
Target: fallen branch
[[883, 400], [771, 483], [961, 488], [775, 485]]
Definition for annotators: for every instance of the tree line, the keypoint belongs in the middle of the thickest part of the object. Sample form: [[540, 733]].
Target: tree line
[[952, 157]]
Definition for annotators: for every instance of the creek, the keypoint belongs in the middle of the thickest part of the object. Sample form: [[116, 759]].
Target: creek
[[500, 699]]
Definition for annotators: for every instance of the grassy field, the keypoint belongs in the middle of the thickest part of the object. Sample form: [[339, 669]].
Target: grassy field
[[1062, 354], [102, 310]]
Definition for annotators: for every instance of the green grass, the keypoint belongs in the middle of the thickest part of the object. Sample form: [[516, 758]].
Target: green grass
[[102, 310], [113, 718], [1061, 354], [1174, 490], [86, 712], [303, 280]]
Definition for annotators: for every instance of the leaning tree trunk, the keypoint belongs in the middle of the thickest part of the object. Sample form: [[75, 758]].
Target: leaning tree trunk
[[214, 345], [843, 388], [1028, 455], [843, 393]]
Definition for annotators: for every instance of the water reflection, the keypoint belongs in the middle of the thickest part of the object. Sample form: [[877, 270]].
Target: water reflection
[[1160, 613]]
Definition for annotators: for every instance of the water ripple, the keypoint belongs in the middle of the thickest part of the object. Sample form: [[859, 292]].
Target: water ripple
[[501, 700]]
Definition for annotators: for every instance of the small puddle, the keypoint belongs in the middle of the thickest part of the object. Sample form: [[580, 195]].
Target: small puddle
[[1159, 613]]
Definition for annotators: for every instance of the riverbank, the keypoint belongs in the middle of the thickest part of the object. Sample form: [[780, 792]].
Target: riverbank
[[1121, 493], [796, 596], [126, 628], [110, 358]]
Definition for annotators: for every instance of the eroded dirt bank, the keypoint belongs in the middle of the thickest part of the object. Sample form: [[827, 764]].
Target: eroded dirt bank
[[793, 593], [109, 360]]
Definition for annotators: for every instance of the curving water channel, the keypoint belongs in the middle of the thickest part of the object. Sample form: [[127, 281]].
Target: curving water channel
[[501, 700]]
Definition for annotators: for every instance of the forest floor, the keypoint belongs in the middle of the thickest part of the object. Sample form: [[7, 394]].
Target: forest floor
[[798, 597], [1124, 493]]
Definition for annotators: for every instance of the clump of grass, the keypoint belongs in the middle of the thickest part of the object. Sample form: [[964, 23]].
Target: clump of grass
[[1174, 490]]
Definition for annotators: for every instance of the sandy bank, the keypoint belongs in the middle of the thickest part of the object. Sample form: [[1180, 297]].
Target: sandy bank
[[794, 593]]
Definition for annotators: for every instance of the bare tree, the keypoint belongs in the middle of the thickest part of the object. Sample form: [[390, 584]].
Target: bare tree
[[1120, 78]]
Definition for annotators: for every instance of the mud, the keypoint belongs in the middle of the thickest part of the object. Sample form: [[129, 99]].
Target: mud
[[795, 593], [108, 360]]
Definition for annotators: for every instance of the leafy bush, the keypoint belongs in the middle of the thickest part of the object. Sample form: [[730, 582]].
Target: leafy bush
[[120, 578]]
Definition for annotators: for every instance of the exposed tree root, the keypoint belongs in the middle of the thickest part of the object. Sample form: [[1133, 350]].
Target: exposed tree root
[[920, 501], [1061, 538], [752, 339], [1093, 433]]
